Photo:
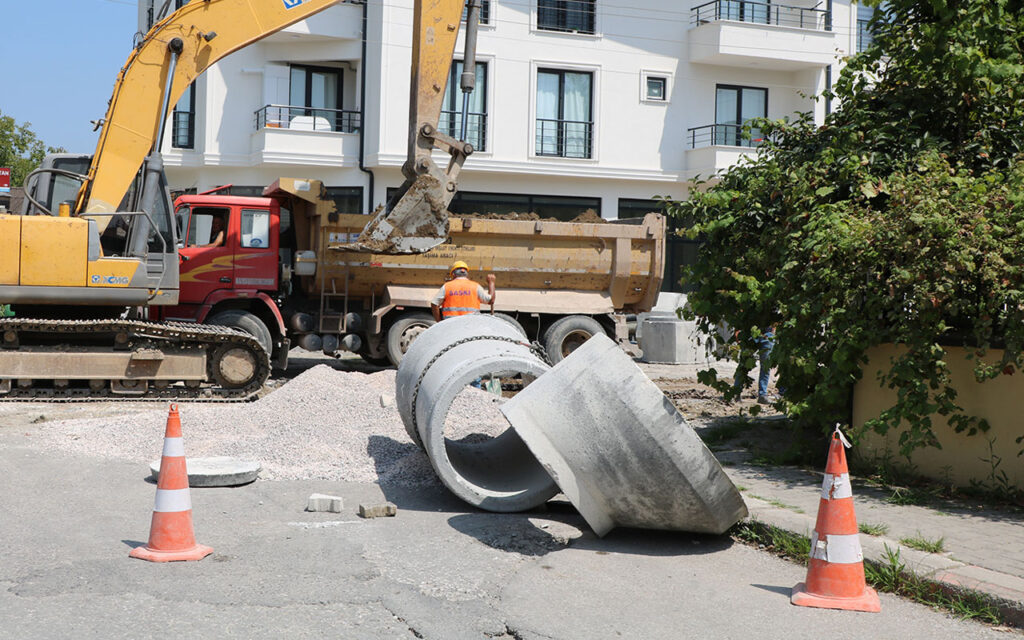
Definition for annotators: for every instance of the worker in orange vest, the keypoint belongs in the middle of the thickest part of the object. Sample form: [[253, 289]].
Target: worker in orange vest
[[461, 296]]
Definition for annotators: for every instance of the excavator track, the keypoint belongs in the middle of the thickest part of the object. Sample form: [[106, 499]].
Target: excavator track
[[73, 360]]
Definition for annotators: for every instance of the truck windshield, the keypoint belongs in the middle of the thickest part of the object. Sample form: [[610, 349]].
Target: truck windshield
[[207, 227]]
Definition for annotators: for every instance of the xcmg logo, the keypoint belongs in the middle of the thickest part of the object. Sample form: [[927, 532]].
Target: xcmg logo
[[291, 4], [115, 280]]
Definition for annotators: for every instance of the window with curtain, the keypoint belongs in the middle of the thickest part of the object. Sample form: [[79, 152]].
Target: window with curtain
[[183, 121], [565, 117], [451, 113], [574, 16], [864, 35], [315, 99], [734, 106]]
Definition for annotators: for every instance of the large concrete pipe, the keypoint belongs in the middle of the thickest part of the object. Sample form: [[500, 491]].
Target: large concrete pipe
[[500, 473], [619, 449]]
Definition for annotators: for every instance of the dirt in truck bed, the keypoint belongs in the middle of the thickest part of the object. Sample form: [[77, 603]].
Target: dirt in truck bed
[[589, 216]]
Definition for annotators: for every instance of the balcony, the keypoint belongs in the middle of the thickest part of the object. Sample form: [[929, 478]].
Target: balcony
[[289, 134], [340, 22], [716, 147], [476, 128], [762, 35], [565, 138]]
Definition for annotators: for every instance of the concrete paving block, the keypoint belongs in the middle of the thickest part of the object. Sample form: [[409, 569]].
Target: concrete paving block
[[321, 502], [219, 471], [385, 510], [618, 449], [670, 340]]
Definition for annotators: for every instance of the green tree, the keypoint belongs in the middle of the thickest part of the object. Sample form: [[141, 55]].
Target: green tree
[[899, 220], [20, 149]]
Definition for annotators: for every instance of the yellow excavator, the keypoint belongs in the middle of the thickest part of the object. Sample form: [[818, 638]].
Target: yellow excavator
[[96, 243]]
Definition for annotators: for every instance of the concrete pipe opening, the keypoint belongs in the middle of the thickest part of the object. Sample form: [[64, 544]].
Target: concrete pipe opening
[[471, 446], [430, 344]]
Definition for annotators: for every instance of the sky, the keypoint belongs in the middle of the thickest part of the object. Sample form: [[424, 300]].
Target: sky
[[58, 63]]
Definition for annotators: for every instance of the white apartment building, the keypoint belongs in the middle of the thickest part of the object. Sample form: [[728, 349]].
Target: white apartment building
[[580, 104]]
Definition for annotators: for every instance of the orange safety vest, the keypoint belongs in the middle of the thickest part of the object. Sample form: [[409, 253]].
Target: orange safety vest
[[460, 298]]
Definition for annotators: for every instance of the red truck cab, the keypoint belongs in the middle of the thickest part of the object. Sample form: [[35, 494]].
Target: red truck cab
[[229, 262]]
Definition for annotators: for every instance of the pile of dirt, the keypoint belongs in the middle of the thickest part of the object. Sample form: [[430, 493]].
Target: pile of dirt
[[324, 424], [588, 216], [502, 216]]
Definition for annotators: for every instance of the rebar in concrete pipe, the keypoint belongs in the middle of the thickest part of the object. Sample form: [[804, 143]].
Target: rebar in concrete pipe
[[499, 473]]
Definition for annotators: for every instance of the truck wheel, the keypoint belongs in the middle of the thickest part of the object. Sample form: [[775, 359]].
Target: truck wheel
[[512, 321], [248, 323], [565, 335], [404, 331]]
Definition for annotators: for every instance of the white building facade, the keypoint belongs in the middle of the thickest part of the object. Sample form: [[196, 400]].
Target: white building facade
[[580, 104]]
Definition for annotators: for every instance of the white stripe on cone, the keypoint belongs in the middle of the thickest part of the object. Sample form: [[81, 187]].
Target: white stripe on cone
[[173, 500], [836, 487], [837, 549], [174, 448]]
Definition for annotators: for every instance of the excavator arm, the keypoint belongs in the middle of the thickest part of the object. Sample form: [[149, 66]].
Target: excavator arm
[[171, 56], [186, 43]]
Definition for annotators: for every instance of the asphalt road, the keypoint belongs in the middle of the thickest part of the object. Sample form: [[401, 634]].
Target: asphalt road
[[439, 570]]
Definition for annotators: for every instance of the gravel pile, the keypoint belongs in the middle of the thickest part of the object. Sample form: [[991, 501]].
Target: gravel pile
[[324, 424]]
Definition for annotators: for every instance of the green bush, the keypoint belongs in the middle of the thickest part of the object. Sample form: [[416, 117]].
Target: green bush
[[900, 220]]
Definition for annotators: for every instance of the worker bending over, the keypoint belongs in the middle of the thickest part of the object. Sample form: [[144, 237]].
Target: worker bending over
[[460, 295]]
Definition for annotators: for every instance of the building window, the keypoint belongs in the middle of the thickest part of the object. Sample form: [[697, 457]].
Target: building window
[[563, 208], [485, 12], [315, 99], [183, 121], [565, 115], [346, 199], [679, 250], [734, 107], [573, 16], [656, 88], [864, 35], [451, 114]]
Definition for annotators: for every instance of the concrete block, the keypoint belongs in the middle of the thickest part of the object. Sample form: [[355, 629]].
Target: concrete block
[[618, 449], [669, 340], [385, 510], [321, 502]]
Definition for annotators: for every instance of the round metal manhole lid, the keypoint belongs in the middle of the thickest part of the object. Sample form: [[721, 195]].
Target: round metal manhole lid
[[220, 471]]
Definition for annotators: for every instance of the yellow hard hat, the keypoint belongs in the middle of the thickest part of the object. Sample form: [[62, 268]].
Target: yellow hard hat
[[459, 265]]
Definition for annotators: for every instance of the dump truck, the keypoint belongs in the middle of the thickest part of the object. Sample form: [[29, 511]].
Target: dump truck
[[285, 272]]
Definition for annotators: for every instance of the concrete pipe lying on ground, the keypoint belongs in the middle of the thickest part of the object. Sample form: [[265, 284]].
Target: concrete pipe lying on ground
[[619, 449], [500, 473]]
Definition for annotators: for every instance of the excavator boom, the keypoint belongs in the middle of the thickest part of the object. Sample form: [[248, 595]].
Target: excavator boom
[[207, 31], [183, 45]]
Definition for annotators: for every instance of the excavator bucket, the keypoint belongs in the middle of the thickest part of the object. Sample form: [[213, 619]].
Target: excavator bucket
[[414, 221]]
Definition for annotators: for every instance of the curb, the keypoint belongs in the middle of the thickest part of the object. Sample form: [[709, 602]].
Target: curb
[[1004, 592]]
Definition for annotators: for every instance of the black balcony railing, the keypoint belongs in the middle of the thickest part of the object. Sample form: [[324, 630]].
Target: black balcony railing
[[476, 128], [279, 116], [864, 35], [762, 13], [723, 134], [565, 138], [570, 16], [183, 130]]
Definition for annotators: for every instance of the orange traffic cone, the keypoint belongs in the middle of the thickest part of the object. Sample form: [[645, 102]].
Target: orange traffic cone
[[835, 574], [170, 534]]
